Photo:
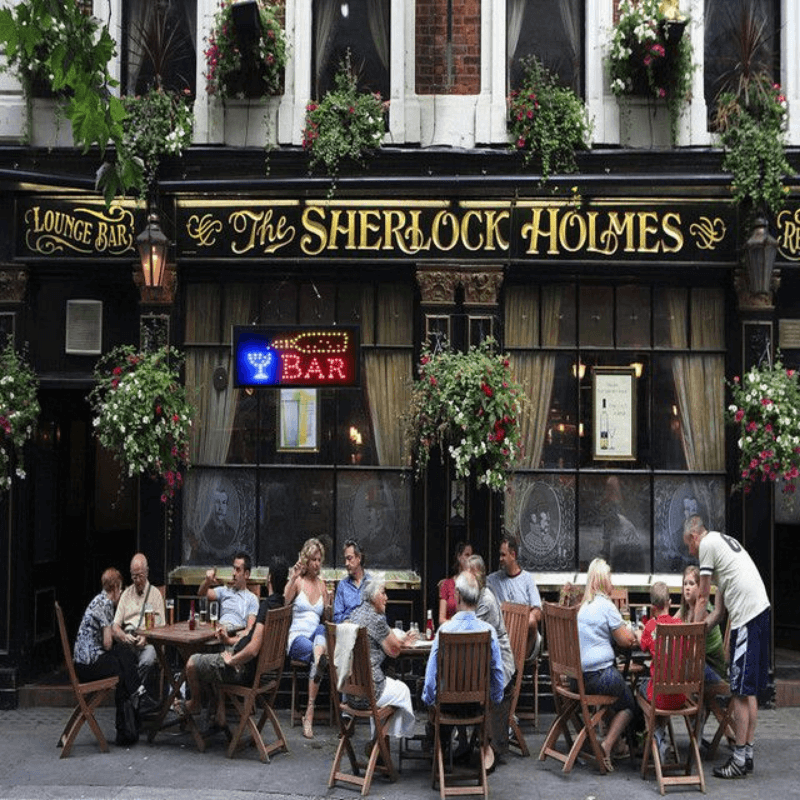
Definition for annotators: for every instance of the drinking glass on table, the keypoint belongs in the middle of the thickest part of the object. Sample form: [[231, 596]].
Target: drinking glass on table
[[213, 613], [170, 603], [203, 609]]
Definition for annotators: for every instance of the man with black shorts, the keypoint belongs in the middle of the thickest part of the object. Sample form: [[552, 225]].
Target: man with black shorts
[[737, 577]]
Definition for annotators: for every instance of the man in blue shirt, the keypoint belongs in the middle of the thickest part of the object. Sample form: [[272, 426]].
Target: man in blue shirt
[[466, 621], [348, 592]]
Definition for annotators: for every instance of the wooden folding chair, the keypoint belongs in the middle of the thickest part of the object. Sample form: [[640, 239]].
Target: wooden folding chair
[[88, 696], [463, 671], [717, 699], [359, 685], [573, 705], [515, 617], [679, 664], [264, 687]]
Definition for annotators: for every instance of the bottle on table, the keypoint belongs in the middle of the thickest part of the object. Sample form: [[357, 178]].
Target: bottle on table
[[192, 620], [429, 625]]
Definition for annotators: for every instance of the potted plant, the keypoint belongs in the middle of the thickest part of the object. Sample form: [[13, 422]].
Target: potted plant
[[345, 124], [766, 409], [56, 46], [19, 410], [158, 123], [467, 404], [547, 120], [650, 57], [246, 50], [142, 414]]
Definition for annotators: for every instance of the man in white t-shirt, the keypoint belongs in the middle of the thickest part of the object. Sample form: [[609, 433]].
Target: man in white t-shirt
[[725, 560], [238, 606], [513, 584]]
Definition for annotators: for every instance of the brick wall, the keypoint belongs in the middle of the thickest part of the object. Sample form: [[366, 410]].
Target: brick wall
[[432, 73]]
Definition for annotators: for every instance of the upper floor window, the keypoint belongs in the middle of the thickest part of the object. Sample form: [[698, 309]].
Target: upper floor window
[[159, 45], [741, 38], [551, 31], [360, 26]]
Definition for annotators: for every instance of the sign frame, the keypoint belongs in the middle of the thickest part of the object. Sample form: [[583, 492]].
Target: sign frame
[[614, 413]]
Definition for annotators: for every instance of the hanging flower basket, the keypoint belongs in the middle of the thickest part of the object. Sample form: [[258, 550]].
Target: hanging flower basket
[[19, 410], [468, 404], [766, 408], [245, 63], [650, 57], [142, 414]]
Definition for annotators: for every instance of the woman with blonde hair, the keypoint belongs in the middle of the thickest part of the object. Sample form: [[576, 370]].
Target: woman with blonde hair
[[308, 595], [600, 627]]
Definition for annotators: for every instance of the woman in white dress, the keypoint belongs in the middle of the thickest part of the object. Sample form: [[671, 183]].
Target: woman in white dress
[[308, 595]]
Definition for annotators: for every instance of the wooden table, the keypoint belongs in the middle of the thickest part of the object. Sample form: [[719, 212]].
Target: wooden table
[[186, 642]]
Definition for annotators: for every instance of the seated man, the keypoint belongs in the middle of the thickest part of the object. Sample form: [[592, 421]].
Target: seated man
[[465, 620], [238, 606], [659, 598], [129, 615], [237, 662], [349, 592], [513, 584]]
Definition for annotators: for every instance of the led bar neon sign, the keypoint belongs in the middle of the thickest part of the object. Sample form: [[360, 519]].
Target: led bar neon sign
[[302, 356]]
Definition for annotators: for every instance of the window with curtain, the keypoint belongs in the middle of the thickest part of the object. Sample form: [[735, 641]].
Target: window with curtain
[[673, 339], [159, 45], [741, 36], [363, 28], [553, 32], [250, 491]]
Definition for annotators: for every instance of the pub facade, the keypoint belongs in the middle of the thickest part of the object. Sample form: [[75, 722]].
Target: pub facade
[[620, 293]]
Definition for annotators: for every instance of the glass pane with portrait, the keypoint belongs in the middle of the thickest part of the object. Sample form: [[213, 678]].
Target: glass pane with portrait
[[675, 499], [540, 512], [614, 521], [375, 509], [219, 515]]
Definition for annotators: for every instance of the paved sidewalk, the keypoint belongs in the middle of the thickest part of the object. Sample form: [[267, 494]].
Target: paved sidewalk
[[171, 768]]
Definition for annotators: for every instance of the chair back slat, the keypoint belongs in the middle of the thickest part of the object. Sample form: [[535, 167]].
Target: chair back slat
[[563, 644], [67, 650], [515, 617], [272, 655], [463, 667], [679, 658]]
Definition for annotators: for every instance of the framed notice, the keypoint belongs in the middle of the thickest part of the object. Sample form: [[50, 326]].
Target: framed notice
[[297, 421], [614, 414]]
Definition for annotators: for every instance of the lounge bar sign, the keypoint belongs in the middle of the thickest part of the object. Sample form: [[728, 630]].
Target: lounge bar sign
[[536, 230], [298, 356], [64, 228]]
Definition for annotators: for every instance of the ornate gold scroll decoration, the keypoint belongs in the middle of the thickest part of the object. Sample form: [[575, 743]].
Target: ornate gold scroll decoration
[[708, 233]]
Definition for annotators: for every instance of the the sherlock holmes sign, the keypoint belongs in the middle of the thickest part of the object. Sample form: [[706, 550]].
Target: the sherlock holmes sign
[[522, 230]]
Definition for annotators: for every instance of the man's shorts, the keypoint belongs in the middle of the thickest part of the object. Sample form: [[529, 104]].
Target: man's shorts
[[750, 656], [211, 668]]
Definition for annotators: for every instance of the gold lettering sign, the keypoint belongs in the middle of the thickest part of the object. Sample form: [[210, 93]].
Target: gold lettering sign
[[55, 229], [789, 234]]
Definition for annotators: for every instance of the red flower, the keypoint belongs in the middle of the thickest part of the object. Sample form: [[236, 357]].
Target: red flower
[[487, 390], [116, 371], [739, 415], [433, 381]]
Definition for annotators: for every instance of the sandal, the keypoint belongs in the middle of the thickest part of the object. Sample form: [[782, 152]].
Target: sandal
[[607, 763]]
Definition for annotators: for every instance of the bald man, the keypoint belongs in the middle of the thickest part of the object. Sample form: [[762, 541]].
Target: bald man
[[130, 614]]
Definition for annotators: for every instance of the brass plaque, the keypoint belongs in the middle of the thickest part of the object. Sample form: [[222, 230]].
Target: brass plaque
[[789, 334]]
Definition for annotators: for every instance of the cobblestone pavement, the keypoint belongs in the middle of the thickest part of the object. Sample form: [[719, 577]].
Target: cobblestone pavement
[[171, 768]]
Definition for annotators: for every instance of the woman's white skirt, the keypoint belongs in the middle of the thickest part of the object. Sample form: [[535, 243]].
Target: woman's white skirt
[[396, 693]]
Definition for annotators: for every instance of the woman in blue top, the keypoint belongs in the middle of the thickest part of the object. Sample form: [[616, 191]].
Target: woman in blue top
[[600, 626]]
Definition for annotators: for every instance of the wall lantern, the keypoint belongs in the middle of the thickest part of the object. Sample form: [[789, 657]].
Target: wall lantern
[[761, 249], [246, 23], [153, 244]]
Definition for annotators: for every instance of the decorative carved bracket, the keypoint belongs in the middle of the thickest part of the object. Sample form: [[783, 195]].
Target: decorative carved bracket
[[13, 282], [481, 285], [751, 301]]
